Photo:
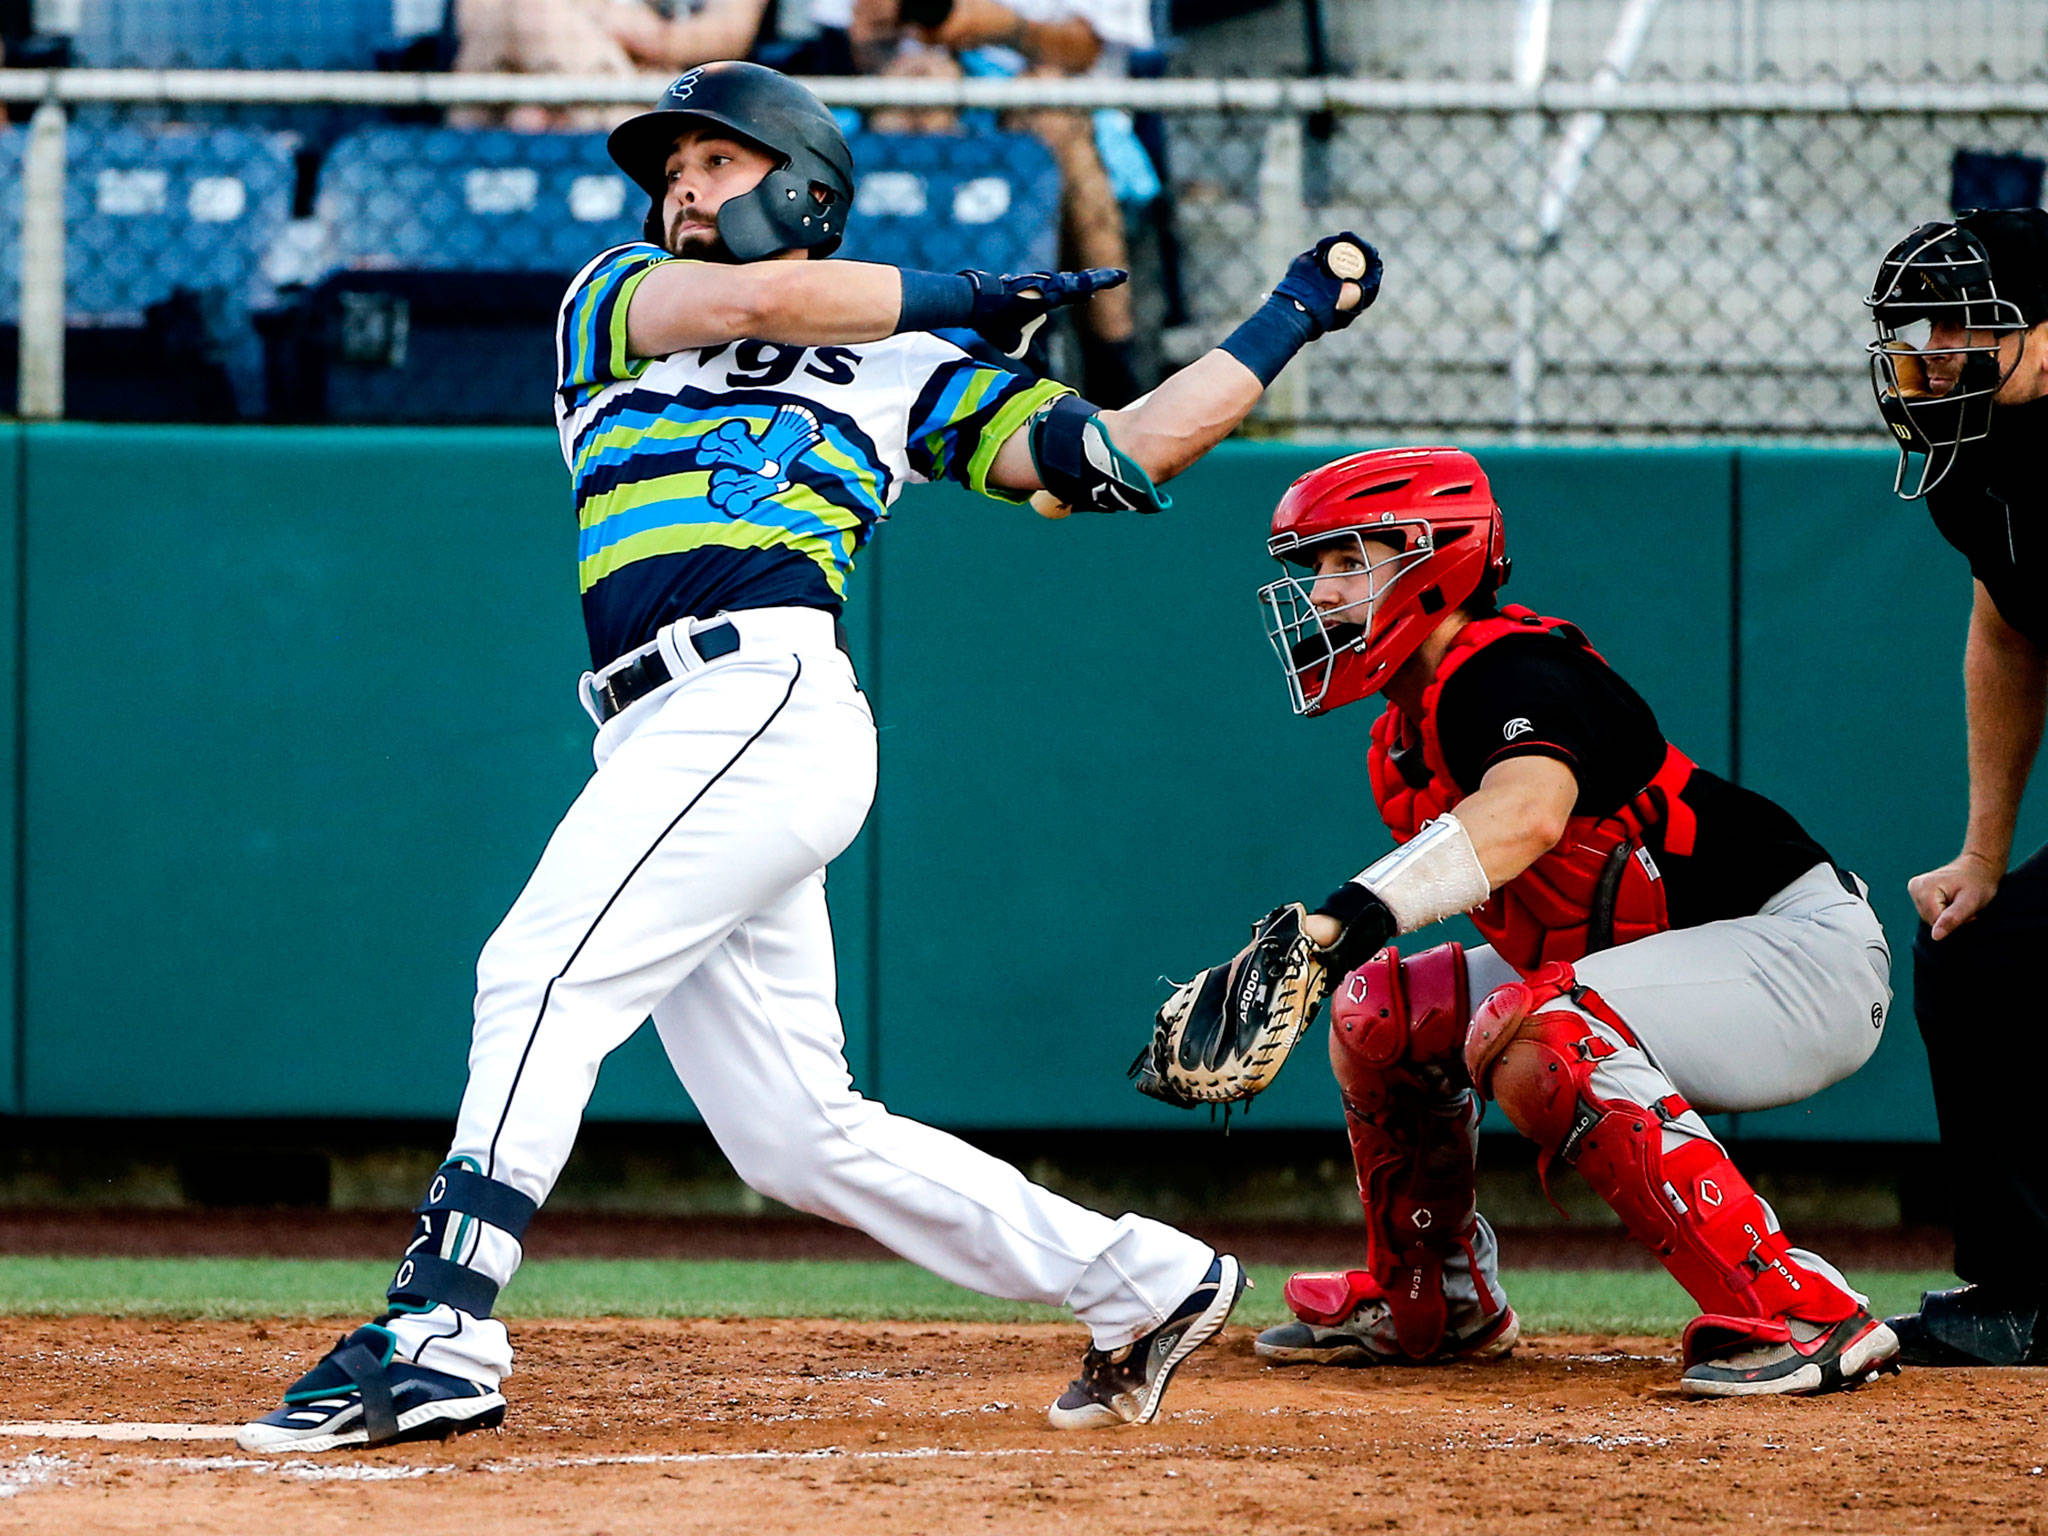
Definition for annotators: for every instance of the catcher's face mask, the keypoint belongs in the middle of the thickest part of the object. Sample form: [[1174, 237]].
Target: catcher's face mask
[[1336, 626], [1936, 304]]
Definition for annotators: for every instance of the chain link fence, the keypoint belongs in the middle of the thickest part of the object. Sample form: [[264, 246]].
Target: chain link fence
[[1729, 40], [1565, 262], [1693, 273]]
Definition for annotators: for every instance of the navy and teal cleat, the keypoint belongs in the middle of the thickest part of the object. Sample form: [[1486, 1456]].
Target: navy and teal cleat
[[1124, 1386], [358, 1395]]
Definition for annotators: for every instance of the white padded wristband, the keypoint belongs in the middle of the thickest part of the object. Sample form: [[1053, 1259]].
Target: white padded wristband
[[1434, 875]]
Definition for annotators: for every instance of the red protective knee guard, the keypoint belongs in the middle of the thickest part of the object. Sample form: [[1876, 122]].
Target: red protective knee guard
[[1690, 1206], [1395, 1031], [1498, 1018], [1391, 1011]]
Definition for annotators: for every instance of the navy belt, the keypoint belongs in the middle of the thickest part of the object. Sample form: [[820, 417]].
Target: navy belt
[[642, 676]]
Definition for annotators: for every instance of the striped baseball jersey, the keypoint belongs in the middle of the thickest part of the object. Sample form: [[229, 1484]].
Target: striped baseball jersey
[[748, 474]]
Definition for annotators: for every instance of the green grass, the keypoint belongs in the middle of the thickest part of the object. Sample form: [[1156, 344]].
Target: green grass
[[1587, 1301]]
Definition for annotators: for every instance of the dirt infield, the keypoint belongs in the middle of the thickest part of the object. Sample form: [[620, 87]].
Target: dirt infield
[[734, 1426]]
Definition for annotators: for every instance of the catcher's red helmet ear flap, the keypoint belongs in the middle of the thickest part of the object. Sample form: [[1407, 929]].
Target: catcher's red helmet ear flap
[[1427, 534]]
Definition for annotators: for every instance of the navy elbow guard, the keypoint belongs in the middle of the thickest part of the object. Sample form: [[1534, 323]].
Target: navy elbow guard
[[1078, 464]]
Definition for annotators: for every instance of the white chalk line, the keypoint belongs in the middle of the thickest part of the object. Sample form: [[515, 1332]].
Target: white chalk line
[[42, 1469], [86, 1429], [35, 1470]]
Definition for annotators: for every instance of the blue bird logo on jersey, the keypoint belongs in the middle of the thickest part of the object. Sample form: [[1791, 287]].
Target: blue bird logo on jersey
[[751, 469]]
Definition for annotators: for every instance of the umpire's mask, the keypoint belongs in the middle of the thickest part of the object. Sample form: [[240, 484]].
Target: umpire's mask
[[1947, 275]]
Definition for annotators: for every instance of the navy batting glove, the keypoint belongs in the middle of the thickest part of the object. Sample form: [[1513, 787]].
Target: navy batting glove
[[1008, 310], [1315, 279]]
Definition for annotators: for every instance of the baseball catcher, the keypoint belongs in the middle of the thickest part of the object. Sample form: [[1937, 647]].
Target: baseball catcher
[[1661, 944]]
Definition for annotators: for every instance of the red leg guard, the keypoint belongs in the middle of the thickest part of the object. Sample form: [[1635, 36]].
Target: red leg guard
[[1395, 1031], [1689, 1206]]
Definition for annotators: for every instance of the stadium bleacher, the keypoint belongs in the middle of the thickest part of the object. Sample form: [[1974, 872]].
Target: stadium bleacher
[[446, 199], [448, 249], [166, 237], [206, 34], [423, 286], [944, 202]]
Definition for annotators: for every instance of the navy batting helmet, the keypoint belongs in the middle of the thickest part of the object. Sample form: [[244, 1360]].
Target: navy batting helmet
[[801, 205]]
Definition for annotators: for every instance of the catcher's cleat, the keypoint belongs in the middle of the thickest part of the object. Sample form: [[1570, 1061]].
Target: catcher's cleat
[[1972, 1325], [1367, 1338], [1786, 1358], [359, 1395], [1124, 1386]]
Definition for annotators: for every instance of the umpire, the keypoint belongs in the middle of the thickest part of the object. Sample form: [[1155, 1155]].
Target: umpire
[[1960, 365]]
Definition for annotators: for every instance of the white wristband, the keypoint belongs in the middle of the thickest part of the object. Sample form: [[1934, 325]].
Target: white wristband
[[1434, 875]]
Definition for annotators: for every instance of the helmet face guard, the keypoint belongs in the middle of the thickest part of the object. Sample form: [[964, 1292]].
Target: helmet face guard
[[1334, 656], [803, 201], [1938, 276], [1424, 535]]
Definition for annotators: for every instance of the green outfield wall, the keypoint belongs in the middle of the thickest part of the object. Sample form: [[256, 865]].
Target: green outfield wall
[[292, 714]]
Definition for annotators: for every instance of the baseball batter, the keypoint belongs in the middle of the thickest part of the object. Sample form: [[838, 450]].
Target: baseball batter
[[1662, 944], [736, 421]]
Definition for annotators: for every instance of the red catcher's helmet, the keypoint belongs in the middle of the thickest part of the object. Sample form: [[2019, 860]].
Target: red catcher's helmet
[[1435, 507]]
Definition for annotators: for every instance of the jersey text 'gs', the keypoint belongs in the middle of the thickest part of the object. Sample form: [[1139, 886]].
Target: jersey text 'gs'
[[747, 474]]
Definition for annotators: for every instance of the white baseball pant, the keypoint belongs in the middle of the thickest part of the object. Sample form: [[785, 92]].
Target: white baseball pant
[[687, 882]]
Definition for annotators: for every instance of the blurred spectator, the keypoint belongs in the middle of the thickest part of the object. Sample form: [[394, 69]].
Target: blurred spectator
[[1032, 37], [593, 37]]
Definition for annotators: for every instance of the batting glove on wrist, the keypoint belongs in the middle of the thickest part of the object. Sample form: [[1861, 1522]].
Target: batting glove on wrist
[[1314, 289], [1008, 310]]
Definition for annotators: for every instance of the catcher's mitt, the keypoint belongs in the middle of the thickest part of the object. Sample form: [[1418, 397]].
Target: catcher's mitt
[[1223, 1036]]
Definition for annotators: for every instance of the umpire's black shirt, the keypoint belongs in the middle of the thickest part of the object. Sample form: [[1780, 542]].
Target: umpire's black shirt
[[1993, 506]]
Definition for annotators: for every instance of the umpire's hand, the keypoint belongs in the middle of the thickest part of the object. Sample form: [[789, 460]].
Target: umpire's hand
[[1950, 896], [1008, 310]]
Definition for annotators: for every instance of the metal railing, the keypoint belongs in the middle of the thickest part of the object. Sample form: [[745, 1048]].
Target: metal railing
[[1565, 260]]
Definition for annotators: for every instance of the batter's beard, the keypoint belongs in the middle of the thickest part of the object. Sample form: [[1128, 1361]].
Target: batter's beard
[[713, 249]]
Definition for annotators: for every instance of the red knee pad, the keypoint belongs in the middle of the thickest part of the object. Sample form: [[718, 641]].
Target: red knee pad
[[1391, 1010], [1499, 1017]]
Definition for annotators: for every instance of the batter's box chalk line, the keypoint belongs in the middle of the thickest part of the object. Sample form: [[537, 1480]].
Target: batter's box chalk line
[[85, 1429], [38, 1469], [44, 1468]]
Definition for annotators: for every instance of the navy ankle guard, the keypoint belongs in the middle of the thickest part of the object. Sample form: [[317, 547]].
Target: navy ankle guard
[[425, 1279]]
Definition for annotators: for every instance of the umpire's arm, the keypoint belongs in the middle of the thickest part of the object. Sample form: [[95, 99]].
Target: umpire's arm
[[2005, 697]]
